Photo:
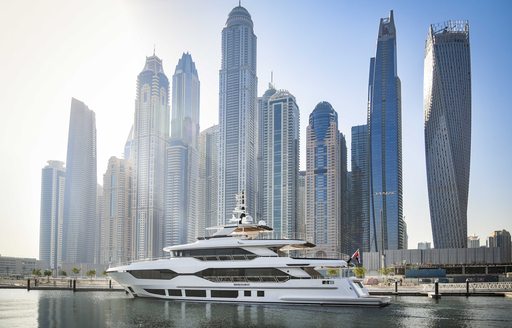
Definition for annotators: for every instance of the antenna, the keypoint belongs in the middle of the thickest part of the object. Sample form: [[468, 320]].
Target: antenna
[[239, 3], [154, 46]]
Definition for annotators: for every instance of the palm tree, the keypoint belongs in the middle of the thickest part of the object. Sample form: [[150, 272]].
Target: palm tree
[[75, 271], [91, 273], [48, 273], [36, 272], [359, 271]]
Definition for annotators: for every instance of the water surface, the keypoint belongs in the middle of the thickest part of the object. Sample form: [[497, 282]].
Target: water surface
[[19, 308]]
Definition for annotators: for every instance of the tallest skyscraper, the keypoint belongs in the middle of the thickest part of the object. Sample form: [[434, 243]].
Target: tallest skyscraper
[[237, 113], [387, 228], [447, 103]]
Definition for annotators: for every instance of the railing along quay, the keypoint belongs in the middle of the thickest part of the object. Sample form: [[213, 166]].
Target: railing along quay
[[448, 289]]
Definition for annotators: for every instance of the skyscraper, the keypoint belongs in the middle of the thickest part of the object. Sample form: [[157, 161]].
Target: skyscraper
[[346, 240], [80, 219], [301, 206], [447, 107], [150, 135], [385, 142], [502, 240], [237, 113], [100, 206], [359, 198], [182, 158], [53, 178], [473, 241], [208, 179], [116, 225], [260, 173], [323, 181], [280, 162]]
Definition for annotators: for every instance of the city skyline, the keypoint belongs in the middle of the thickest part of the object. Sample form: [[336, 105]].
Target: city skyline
[[486, 187]]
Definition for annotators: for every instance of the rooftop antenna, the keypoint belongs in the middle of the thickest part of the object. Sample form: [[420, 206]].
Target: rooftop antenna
[[154, 46], [271, 84], [239, 3]]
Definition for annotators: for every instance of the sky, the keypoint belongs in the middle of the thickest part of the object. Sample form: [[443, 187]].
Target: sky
[[318, 50]]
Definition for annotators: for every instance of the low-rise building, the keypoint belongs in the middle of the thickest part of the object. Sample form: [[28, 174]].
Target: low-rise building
[[458, 258], [17, 266]]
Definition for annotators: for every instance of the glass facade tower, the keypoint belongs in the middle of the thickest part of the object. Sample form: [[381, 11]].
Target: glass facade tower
[[116, 219], [182, 157], [53, 179], [237, 114], [447, 110], [262, 111], [280, 162], [323, 181], [208, 175], [359, 200], [80, 219], [150, 136], [385, 133]]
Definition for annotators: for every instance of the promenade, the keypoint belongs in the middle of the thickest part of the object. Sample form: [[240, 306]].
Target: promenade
[[498, 289], [69, 283]]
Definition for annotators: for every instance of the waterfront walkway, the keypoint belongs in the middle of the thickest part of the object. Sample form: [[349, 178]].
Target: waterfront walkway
[[77, 284], [499, 289]]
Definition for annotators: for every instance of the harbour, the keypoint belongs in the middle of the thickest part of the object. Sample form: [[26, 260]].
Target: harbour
[[47, 308]]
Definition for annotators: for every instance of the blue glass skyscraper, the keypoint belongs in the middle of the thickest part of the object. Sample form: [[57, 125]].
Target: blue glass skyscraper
[[385, 132], [359, 211], [280, 162]]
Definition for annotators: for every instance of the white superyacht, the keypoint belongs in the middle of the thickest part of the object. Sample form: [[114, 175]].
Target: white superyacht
[[238, 264]]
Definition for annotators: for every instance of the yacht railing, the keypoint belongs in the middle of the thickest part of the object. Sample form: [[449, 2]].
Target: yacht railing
[[114, 264]]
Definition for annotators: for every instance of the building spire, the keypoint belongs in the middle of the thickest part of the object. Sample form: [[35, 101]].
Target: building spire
[[271, 84], [239, 3], [154, 46]]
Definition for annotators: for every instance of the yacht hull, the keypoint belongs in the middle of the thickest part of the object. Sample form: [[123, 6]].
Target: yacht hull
[[332, 292]]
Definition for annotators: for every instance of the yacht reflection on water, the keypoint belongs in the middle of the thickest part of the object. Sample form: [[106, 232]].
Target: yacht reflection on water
[[239, 263]]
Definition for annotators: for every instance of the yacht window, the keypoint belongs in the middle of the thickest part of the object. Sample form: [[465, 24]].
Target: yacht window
[[225, 293], [214, 253], [156, 291], [359, 284], [247, 293], [174, 292], [261, 293], [153, 274], [312, 272], [242, 272], [195, 292]]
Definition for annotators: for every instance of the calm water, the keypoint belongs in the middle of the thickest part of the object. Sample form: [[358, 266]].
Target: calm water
[[19, 308]]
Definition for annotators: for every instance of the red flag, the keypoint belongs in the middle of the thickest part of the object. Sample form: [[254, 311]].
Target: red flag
[[356, 256]]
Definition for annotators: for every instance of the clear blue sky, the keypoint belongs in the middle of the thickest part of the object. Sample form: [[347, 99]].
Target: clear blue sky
[[318, 50]]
